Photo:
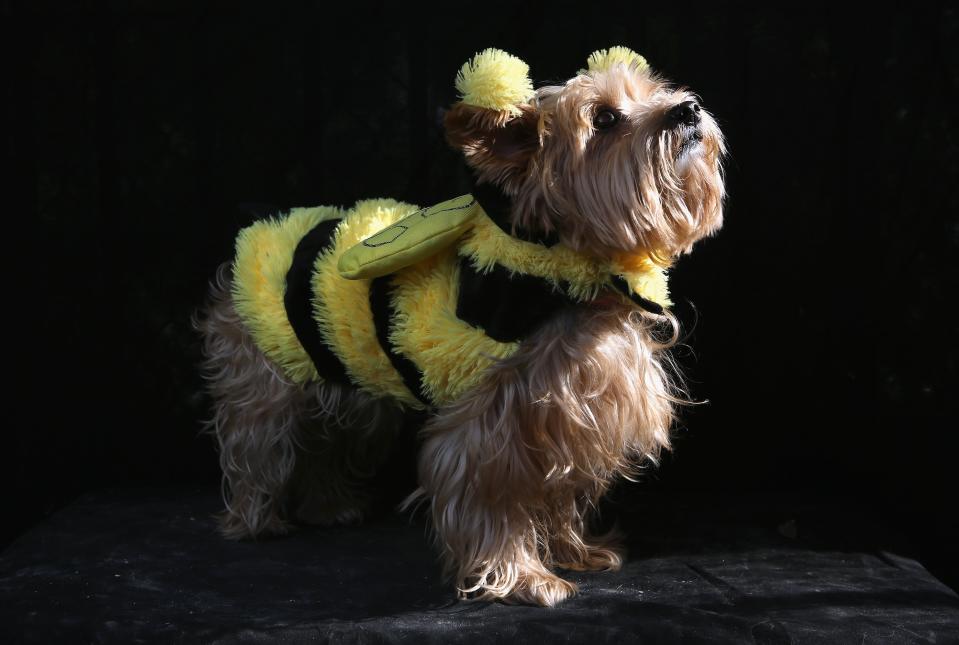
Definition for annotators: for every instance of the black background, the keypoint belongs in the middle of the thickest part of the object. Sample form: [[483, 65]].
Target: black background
[[142, 136]]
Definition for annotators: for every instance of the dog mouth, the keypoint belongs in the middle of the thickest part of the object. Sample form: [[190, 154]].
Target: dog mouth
[[692, 138]]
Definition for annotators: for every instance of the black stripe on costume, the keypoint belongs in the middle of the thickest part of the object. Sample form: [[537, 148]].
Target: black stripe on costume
[[298, 299], [381, 304], [507, 306], [620, 284]]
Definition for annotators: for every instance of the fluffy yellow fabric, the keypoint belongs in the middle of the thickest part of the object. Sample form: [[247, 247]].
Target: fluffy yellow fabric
[[603, 59], [342, 307], [645, 277], [452, 354], [264, 252], [568, 270], [495, 80]]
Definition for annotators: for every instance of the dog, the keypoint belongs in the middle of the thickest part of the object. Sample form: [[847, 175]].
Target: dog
[[529, 320]]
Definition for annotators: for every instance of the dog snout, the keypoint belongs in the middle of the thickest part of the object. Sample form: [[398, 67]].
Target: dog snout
[[686, 113]]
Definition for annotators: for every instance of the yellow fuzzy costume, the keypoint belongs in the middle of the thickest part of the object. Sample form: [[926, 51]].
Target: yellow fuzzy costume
[[434, 296]]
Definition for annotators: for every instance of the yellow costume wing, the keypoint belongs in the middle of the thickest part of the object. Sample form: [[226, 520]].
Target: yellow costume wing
[[415, 237]]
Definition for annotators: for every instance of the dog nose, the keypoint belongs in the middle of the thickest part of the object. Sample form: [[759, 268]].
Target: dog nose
[[686, 113]]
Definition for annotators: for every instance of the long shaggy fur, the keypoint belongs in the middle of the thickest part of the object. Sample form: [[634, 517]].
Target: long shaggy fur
[[512, 468]]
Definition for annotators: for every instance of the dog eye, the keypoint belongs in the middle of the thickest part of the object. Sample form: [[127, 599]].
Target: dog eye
[[605, 119]]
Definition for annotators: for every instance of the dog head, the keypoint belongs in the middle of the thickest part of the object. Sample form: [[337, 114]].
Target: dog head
[[616, 161]]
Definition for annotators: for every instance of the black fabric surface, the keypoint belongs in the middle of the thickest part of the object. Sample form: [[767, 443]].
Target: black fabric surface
[[507, 306], [148, 566]]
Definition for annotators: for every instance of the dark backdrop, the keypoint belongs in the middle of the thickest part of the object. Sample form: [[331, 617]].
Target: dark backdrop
[[144, 135]]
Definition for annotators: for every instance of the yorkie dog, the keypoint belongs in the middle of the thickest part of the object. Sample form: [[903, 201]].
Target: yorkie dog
[[528, 319]]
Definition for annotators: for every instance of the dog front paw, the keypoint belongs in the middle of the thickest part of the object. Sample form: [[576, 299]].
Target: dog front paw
[[529, 588], [597, 558], [543, 590], [251, 526]]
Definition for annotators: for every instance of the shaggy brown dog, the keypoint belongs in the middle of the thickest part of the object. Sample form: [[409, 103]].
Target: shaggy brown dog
[[616, 163]]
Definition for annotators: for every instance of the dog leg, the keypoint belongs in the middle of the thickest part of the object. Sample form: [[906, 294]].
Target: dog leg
[[484, 507], [572, 547], [256, 416], [287, 452], [510, 467], [348, 435], [621, 407]]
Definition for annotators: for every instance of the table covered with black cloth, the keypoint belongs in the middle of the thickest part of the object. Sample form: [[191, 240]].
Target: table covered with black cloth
[[148, 566]]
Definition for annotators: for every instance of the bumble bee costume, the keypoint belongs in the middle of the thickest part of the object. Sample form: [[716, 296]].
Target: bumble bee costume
[[416, 303]]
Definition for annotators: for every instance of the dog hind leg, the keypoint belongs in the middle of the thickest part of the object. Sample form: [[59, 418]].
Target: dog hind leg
[[287, 452], [256, 413], [347, 434]]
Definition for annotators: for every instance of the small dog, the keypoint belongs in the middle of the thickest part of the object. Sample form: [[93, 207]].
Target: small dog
[[528, 319]]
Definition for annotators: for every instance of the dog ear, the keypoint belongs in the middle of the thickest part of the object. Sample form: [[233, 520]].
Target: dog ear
[[603, 59], [494, 124]]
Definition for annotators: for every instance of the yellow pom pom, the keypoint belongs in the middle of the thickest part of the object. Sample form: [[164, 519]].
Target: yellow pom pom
[[603, 59], [495, 80]]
